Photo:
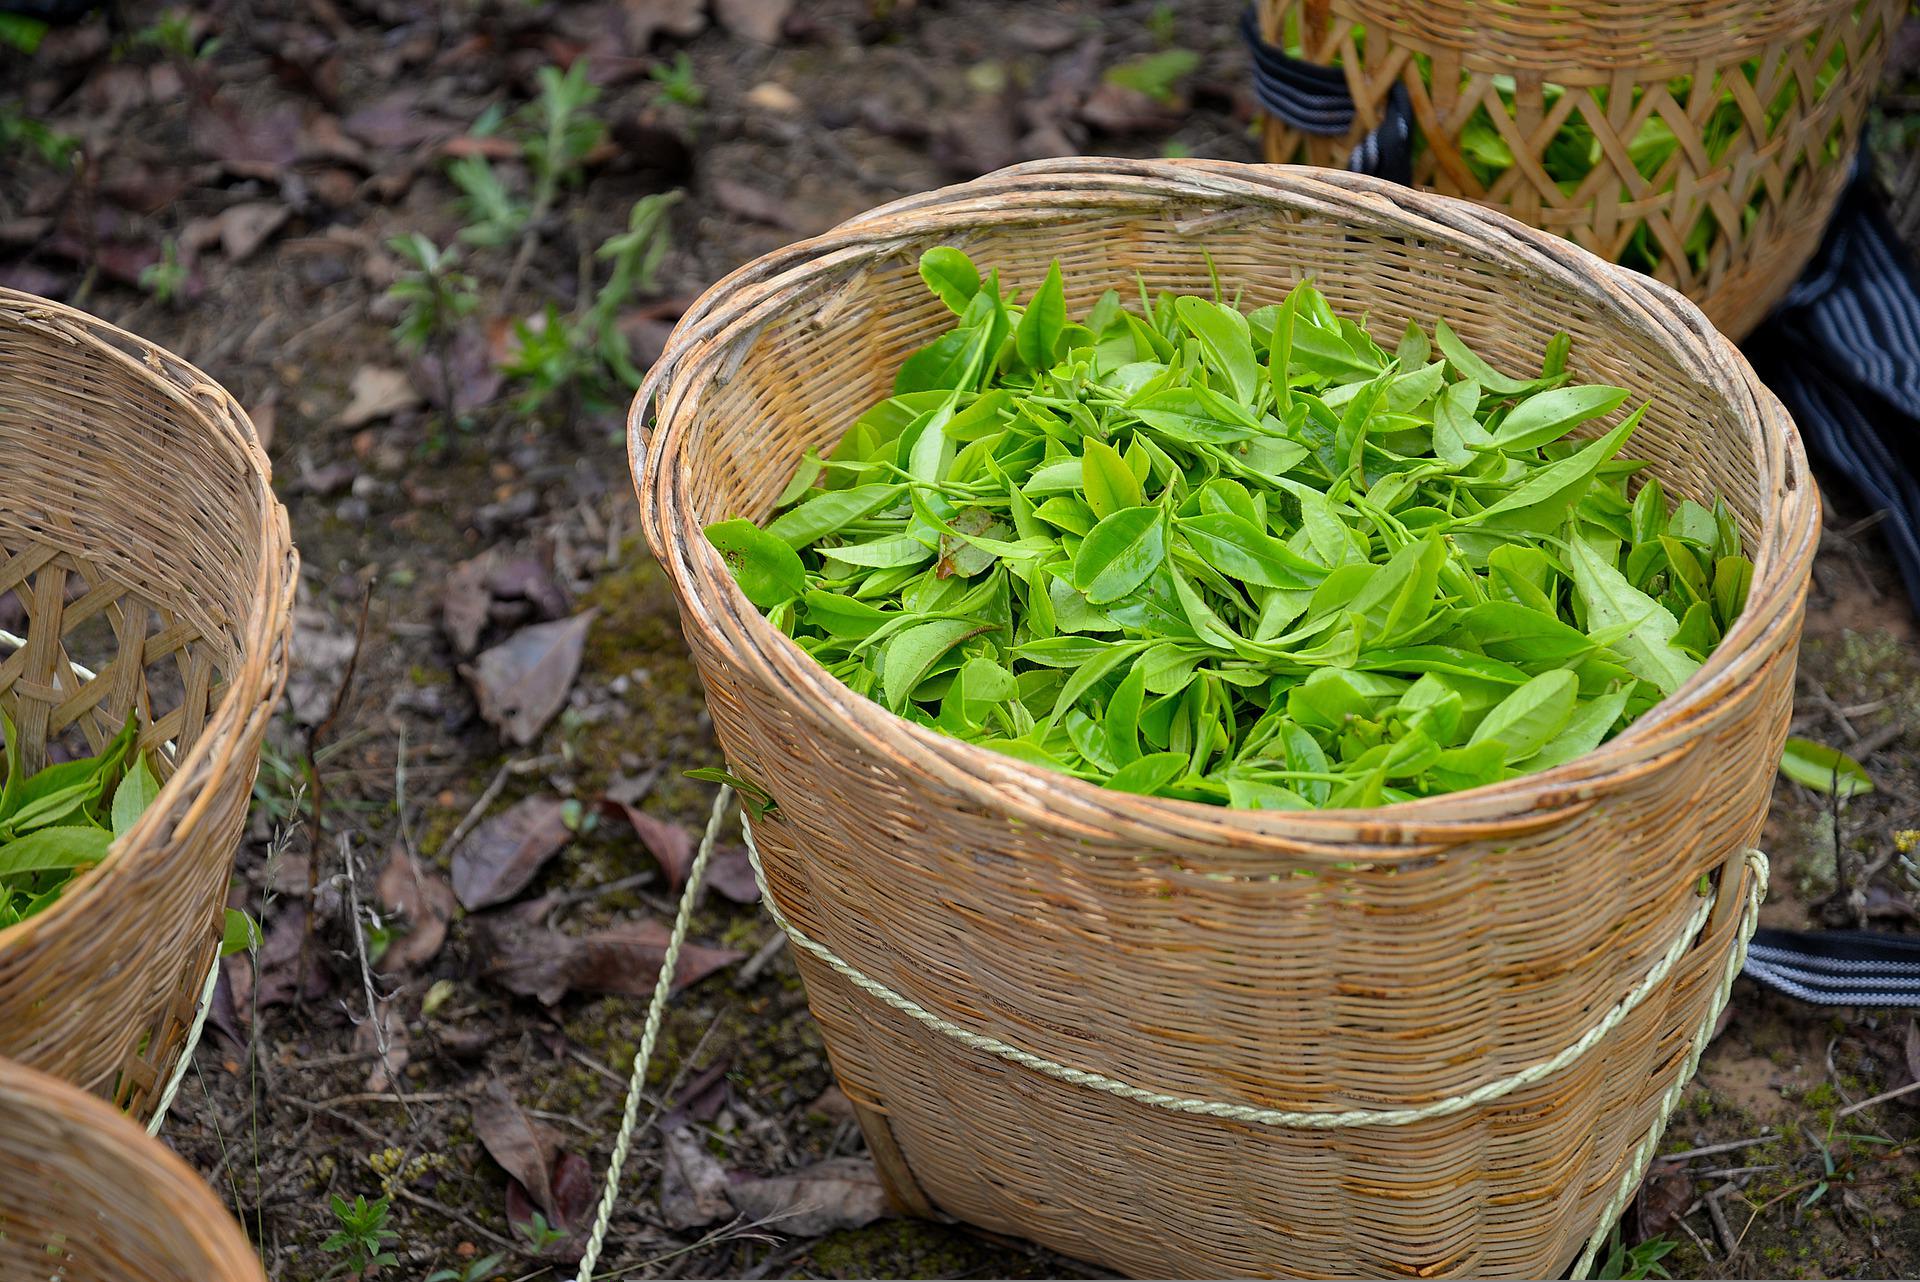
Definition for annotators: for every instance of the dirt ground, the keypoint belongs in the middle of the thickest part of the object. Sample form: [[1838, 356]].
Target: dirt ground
[[244, 169]]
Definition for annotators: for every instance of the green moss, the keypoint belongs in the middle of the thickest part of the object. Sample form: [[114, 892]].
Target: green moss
[[913, 1249]]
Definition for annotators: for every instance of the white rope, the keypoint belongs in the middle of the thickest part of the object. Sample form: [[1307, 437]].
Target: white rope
[[656, 1010], [185, 1061], [1636, 1168], [1631, 1175], [1241, 1112]]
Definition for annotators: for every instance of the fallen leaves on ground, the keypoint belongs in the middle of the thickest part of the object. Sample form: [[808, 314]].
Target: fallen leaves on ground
[[752, 203], [730, 873], [472, 374], [277, 981], [378, 391], [524, 681], [504, 854], [239, 230], [542, 1175], [669, 843], [421, 896], [693, 1184], [760, 21], [322, 648], [519, 954], [839, 1193], [248, 144]]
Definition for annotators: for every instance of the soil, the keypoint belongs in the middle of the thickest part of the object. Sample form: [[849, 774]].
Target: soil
[[331, 120]]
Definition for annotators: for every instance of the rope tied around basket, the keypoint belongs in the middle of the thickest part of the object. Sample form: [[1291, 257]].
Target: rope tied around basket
[[1755, 864]]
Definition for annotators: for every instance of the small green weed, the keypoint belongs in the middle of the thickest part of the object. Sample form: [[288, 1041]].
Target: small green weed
[[538, 1233], [677, 83], [167, 278], [1629, 1264], [363, 1237], [1155, 74], [487, 1266]]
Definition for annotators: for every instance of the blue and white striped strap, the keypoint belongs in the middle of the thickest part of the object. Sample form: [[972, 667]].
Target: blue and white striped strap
[[1314, 99]]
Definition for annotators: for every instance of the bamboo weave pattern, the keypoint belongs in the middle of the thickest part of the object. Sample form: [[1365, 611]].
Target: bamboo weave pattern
[[1511, 74], [143, 547]]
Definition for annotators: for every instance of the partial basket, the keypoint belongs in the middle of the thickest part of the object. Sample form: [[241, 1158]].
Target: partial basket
[[89, 1197], [1705, 143], [144, 564], [1438, 1038]]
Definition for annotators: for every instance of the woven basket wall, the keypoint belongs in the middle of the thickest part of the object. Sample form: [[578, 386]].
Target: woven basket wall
[[1313, 961], [1621, 64], [139, 539], [90, 1197]]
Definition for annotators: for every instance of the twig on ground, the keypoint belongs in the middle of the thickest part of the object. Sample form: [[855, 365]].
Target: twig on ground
[[459, 1217], [751, 968], [1731, 1146], [376, 1008], [477, 811], [1881, 1098]]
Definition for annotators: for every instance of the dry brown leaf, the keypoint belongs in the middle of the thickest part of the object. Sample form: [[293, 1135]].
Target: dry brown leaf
[[668, 842], [516, 952], [464, 602], [574, 1189], [522, 682], [523, 1147], [506, 852], [248, 144], [243, 228], [752, 203], [839, 1193], [693, 1185], [421, 896], [730, 873], [378, 392], [760, 21], [646, 18]]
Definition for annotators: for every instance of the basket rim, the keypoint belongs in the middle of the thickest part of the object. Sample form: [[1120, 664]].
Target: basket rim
[[262, 633], [213, 1227], [715, 332]]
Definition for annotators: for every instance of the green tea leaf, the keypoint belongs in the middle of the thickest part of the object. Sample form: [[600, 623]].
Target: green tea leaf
[[765, 566], [951, 275], [55, 849], [1611, 602], [135, 793], [912, 653], [1046, 316], [1149, 774], [1550, 415], [1106, 480], [238, 933], [1225, 341], [1471, 366], [1525, 720], [1823, 769], [1120, 554]]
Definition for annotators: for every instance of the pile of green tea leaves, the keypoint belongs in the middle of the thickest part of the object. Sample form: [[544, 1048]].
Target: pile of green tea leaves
[[1250, 559], [60, 821], [1573, 153]]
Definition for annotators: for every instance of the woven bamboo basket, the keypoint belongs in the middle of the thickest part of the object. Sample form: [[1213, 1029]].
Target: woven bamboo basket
[[89, 1197], [1620, 65], [1437, 1038], [149, 567]]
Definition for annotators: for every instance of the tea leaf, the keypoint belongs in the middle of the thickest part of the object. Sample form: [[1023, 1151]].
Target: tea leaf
[[1819, 767]]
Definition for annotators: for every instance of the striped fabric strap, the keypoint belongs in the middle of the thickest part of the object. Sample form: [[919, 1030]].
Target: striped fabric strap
[[1838, 967], [1842, 352], [1314, 99]]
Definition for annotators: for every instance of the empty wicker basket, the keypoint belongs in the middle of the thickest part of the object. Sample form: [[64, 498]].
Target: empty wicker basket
[[1756, 182], [1438, 1038], [145, 564], [89, 1197]]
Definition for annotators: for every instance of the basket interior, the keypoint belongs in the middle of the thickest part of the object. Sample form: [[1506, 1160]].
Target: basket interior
[[832, 352], [129, 537]]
